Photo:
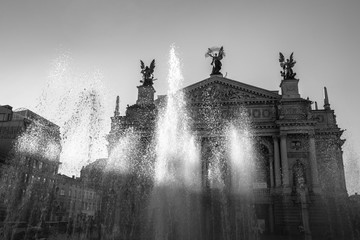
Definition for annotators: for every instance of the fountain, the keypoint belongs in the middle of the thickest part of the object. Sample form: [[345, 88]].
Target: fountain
[[162, 189], [174, 171], [174, 198], [153, 187], [27, 188]]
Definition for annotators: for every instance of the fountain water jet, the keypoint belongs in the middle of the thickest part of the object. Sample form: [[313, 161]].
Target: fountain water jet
[[76, 103], [177, 166], [184, 193], [242, 176]]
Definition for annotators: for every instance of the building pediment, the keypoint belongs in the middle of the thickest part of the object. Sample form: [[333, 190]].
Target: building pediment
[[226, 90]]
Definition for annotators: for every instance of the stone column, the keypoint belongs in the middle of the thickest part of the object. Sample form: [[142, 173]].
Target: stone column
[[271, 169], [313, 162], [284, 161], [271, 217], [305, 215], [277, 162]]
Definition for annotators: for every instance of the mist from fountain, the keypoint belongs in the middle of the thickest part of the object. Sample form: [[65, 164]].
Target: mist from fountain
[[185, 191], [27, 197], [77, 104], [169, 182], [39, 141], [351, 165], [122, 157], [241, 153], [241, 161]]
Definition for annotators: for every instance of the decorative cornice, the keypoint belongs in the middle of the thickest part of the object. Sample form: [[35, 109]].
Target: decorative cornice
[[283, 134], [234, 84], [233, 103], [282, 123], [336, 132], [275, 137]]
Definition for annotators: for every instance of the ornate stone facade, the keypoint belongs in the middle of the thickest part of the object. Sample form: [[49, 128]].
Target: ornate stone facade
[[301, 189]]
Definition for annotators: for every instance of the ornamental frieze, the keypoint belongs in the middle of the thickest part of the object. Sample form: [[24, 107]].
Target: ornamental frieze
[[261, 113], [298, 142], [293, 112], [219, 92], [201, 114], [319, 118]]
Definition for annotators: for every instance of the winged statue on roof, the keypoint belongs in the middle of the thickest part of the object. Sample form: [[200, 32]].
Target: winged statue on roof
[[287, 66], [217, 55], [147, 73]]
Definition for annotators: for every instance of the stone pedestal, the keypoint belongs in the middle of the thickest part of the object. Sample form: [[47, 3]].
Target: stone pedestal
[[145, 95], [289, 88], [216, 75]]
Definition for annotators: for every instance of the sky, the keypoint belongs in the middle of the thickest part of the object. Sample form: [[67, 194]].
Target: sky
[[111, 36]]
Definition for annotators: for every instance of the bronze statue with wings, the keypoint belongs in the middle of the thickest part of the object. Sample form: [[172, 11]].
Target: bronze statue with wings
[[217, 55], [147, 72], [287, 66]]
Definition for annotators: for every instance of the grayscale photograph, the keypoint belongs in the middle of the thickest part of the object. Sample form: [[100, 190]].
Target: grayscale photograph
[[179, 120]]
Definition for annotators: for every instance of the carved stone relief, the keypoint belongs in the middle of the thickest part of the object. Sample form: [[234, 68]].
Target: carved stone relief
[[298, 143], [293, 112], [219, 92], [319, 118], [261, 113]]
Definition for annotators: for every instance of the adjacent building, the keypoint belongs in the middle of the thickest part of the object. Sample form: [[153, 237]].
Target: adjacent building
[[29, 162], [29, 150], [74, 198]]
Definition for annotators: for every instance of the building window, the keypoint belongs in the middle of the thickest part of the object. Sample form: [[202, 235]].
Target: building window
[[62, 192], [3, 117], [28, 159]]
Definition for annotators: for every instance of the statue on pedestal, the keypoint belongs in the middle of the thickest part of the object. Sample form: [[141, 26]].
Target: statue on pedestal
[[217, 55], [147, 72], [287, 66], [299, 174]]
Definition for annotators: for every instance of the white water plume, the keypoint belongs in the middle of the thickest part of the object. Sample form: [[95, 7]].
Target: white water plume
[[177, 157], [241, 156], [122, 157], [215, 172], [177, 166], [39, 141], [351, 166], [76, 103]]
